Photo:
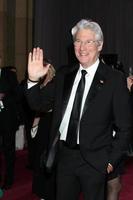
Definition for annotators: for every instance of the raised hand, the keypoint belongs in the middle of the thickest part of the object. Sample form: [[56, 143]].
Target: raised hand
[[36, 68]]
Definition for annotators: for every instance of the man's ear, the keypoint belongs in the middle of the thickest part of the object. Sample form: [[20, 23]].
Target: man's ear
[[100, 46]]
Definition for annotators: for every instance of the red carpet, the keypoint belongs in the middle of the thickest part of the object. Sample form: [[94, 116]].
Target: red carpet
[[127, 182], [21, 189]]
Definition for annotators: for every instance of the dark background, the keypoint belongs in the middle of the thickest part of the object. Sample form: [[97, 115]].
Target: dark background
[[53, 20]]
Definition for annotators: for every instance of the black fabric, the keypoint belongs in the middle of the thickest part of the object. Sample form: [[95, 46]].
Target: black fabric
[[73, 126], [43, 184], [9, 121], [50, 161]]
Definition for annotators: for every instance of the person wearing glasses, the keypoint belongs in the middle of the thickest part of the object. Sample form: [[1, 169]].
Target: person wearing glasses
[[85, 99]]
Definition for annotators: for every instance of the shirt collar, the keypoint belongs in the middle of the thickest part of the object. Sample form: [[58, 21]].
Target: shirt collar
[[92, 69]]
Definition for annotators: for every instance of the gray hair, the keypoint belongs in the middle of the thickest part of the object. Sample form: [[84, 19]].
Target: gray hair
[[88, 24]]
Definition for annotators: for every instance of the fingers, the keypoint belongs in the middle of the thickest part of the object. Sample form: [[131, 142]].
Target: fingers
[[30, 57], [109, 168], [36, 55]]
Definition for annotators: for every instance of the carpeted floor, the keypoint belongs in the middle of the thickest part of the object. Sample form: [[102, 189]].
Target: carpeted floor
[[127, 181], [21, 189]]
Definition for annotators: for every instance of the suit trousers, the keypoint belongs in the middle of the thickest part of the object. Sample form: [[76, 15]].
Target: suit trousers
[[7, 133], [75, 175]]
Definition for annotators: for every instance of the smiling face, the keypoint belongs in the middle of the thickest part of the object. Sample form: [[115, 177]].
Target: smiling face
[[86, 47]]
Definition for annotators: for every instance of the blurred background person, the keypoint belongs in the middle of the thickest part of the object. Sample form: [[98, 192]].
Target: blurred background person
[[27, 120], [43, 182], [1, 191], [9, 121]]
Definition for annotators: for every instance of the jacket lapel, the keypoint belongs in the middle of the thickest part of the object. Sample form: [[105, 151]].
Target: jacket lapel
[[68, 83], [96, 86]]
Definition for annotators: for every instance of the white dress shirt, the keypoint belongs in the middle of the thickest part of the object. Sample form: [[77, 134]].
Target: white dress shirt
[[88, 81]]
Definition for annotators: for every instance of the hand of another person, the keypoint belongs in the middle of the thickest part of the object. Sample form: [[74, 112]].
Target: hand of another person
[[129, 82], [109, 168], [36, 68]]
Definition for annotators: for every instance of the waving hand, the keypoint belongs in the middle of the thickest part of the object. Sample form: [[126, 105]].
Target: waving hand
[[36, 69]]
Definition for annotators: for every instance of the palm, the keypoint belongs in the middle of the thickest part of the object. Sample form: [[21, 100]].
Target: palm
[[35, 64]]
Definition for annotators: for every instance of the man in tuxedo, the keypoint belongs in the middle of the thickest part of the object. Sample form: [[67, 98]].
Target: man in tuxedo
[[87, 99], [8, 121]]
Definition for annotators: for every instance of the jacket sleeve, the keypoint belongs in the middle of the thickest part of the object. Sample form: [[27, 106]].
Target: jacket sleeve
[[123, 118], [40, 99]]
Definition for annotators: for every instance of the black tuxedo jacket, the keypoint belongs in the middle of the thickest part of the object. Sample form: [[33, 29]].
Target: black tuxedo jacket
[[107, 103]]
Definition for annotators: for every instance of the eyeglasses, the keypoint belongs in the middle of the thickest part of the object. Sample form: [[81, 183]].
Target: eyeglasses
[[88, 43]]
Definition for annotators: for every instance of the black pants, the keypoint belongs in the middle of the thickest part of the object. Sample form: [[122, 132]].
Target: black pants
[[8, 150], [74, 175]]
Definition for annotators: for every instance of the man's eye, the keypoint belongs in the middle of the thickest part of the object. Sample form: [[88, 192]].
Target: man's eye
[[90, 42]]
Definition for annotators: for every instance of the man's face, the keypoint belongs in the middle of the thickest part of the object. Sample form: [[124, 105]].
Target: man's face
[[86, 47]]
